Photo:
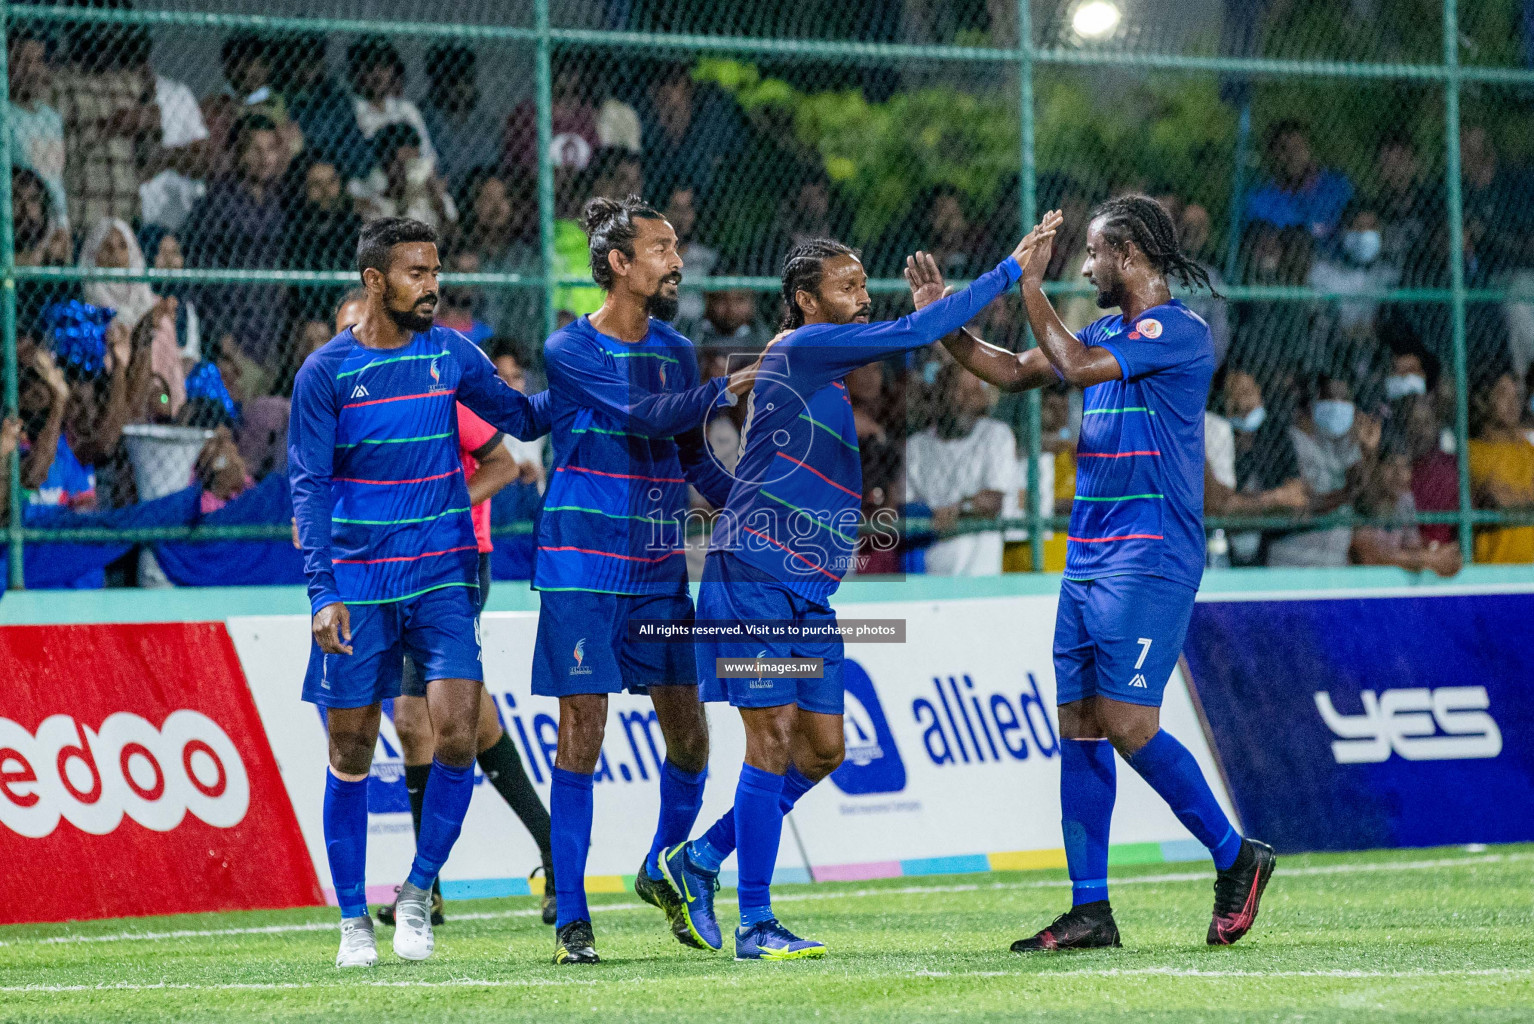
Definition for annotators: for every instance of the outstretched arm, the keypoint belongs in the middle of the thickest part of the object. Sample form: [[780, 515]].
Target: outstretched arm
[[498, 403], [1078, 365], [578, 369], [1010, 371]]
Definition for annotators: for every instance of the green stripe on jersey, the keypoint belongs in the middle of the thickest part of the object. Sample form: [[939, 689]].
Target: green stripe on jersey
[[830, 430], [418, 593], [811, 515], [396, 440], [398, 522], [1120, 497], [610, 515], [1130, 408], [391, 359]]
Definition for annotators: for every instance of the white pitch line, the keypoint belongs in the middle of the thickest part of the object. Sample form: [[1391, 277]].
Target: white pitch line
[[907, 890], [1194, 972], [1133, 972]]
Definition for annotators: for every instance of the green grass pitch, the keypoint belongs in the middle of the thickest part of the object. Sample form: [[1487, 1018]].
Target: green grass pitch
[[1413, 935]]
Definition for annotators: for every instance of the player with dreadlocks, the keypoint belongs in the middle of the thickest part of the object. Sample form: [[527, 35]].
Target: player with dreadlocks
[[1135, 549], [778, 552]]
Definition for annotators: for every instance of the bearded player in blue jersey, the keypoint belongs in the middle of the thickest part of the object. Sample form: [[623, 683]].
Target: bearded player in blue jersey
[[627, 414], [1135, 549], [383, 518], [778, 552]]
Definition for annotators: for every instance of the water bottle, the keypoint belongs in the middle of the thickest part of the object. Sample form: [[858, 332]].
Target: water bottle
[[1218, 556]]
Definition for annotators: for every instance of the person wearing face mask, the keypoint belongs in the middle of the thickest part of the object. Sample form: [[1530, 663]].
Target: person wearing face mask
[[1261, 474], [1355, 268], [1413, 371], [1330, 439]]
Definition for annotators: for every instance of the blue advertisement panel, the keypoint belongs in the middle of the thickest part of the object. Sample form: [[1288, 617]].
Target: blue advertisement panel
[[1350, 724]]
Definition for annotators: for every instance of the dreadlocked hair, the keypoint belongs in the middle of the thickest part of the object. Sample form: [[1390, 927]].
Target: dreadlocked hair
[[802, 271], [1146, 223], [609, 224]]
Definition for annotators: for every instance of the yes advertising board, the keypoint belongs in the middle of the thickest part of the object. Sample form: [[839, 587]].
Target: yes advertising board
[[1355, 723], [135, 778], [952, 755]]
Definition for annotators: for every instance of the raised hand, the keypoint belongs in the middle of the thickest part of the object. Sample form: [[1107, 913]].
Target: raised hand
[[1037, 246], [48, 370], [10, 437], [925, 279]]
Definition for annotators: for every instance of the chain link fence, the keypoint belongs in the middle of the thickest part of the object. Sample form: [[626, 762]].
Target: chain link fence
[[189, 178]]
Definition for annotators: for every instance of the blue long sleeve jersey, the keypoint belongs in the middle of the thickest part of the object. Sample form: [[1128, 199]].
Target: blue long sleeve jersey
[[795, 508], [627, 439], [378, 490]]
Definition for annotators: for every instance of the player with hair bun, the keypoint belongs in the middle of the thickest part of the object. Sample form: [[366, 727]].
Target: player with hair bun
[[628, 414]]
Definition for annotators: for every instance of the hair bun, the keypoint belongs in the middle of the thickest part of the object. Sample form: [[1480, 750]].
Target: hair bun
[[598, 212]]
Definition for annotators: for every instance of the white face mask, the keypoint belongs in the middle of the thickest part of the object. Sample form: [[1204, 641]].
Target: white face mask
[[1362, 247], [1401, 385], [1250, 422], [1333, 417]]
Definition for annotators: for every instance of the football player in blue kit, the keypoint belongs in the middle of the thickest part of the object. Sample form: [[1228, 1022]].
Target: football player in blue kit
[[1135, 550]]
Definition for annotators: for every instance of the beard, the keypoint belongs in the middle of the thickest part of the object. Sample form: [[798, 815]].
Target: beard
[[1108, 296], [409, 319], [661, 306]]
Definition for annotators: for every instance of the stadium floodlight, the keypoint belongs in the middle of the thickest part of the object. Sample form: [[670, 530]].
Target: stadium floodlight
[[1095, 19]]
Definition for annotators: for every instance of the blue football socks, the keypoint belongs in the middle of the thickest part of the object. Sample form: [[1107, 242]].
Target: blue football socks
[[570, 814], [1173, 773], [448, 790], [346, 841], [681, 797], [709, 851], [1088, 785], [758, 828]]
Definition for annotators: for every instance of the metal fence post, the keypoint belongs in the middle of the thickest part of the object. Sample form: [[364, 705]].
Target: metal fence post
[[542, 85], [1457, 275], [8, 298], [1027, 201]]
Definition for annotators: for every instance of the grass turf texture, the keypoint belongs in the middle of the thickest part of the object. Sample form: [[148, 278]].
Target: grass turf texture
[[1415, 935]]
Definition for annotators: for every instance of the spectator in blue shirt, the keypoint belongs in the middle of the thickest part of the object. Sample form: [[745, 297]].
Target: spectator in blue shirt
[[1300, 192]]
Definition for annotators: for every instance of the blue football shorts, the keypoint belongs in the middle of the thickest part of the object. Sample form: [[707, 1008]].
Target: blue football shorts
[[438, 630], [733, 591], [583, 644], [1119, 637]]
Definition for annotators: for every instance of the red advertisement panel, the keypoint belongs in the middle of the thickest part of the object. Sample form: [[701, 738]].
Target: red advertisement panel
[[136, 778]]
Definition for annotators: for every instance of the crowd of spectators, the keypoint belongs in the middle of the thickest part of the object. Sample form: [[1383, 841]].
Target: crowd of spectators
[[1323, 406]]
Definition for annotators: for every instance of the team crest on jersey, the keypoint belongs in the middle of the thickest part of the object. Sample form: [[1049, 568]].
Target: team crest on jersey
[[436, 375], [1150, 328], [662, 374], [359, 392]]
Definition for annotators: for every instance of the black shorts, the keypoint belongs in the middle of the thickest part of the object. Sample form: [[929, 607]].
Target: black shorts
[[413, 683]]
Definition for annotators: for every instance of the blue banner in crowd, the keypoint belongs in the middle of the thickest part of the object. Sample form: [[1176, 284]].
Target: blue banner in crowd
[[224, 563], [1379, 722], [239, 562]]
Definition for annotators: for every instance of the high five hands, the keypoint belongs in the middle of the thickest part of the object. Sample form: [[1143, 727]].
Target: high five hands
[[1037, 246]]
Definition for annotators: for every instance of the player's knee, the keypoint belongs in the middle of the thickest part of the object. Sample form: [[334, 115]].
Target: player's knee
[[456, 743], [769, 742], [351, 753], [582, 724], [687, 741], [417, 743], [823, 763], [1128, 735]]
